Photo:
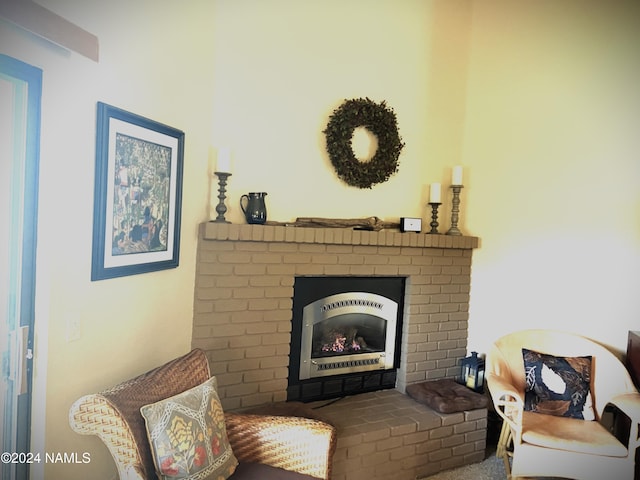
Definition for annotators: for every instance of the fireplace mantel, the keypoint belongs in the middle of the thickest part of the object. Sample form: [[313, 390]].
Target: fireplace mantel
[[333, 236], [244, 290]]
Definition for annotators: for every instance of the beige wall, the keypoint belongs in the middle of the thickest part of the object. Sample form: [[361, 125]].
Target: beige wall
[[539, 102], [551, 143], [282, 67], [154, 62]]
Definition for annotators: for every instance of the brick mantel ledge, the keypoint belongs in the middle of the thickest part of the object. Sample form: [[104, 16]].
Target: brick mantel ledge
[[335, 236]]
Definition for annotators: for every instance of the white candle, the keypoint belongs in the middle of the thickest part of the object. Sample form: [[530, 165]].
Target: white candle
[[434, 193], [212, 158], [223, 164], [456, 175]]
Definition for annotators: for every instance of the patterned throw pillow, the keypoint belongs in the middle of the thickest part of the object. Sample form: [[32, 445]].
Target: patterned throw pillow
[[558, 385], [188, 436]]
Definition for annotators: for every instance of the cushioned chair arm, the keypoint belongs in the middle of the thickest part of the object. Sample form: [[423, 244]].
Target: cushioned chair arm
[[506, 399], [629, 403], [298, 444], [502, 392], [94, 415]]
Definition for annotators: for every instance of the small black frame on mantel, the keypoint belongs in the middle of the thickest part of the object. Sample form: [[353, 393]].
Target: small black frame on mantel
[[138, 195]]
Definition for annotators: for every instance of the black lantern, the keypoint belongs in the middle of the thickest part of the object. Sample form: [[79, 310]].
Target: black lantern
[[473, 372]]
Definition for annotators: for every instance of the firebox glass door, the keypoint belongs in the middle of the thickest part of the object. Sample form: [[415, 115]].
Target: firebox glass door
[[349, 334], [346, 333]]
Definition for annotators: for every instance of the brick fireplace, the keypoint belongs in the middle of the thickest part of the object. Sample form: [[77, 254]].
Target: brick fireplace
[[244, 289]]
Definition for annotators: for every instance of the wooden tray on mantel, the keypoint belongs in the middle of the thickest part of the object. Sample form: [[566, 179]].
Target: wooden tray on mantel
[[368, 223]]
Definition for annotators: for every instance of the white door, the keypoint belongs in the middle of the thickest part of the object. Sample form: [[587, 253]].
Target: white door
[[20, 90]]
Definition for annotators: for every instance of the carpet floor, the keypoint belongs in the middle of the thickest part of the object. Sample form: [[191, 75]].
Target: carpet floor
[[491, 468]]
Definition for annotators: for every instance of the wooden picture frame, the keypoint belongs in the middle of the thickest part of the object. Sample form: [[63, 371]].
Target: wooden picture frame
[[138, 195]]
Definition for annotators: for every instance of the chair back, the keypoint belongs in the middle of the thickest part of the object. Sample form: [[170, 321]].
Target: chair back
[[608, 375], [114, 414]]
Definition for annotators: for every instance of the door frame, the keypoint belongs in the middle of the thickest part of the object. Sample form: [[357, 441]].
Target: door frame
[[28, 191]]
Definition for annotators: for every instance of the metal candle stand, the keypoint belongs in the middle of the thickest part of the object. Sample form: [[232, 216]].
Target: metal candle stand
[[434, 216], [221, 208], [455, 210]]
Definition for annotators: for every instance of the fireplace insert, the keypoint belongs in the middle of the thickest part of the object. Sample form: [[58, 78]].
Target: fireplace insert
[[346, 335]]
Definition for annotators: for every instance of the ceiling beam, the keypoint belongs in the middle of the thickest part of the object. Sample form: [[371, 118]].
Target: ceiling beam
[[50, 26]]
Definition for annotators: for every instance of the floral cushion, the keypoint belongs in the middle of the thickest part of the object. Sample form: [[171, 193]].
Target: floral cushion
[[188, 436], [558, 386]]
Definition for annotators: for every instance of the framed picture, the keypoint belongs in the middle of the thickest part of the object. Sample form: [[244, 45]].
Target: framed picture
[[138, 195]]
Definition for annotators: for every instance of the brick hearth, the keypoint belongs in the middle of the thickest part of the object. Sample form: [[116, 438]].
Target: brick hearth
[[385, 435], [244, 288]]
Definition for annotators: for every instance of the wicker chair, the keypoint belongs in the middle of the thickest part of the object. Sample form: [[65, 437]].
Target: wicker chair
[[544, 445], [303, 447]]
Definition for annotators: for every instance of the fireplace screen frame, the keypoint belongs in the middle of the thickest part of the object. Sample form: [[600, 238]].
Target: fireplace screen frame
[[332, 307], [308, 289]]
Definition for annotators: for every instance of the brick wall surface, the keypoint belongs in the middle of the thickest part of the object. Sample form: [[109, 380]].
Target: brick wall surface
[[244, 289], [242, 318]]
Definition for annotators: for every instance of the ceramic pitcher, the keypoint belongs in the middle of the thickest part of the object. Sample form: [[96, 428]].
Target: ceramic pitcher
[[253, 207]]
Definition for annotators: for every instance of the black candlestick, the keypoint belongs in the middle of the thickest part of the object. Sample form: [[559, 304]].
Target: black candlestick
[[221, 208], [434, 216]]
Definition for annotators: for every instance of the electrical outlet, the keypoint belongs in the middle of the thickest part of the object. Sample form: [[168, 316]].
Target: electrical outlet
[[73, 327]]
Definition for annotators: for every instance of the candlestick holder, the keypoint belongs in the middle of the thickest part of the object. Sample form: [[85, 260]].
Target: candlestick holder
[[434, 216], [455, 210], [221, 208]]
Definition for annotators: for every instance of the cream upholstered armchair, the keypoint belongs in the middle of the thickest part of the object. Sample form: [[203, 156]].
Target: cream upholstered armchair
[[266, 446], [538, 432]]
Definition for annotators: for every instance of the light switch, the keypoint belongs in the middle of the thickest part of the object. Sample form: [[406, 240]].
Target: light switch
[[73, 327]]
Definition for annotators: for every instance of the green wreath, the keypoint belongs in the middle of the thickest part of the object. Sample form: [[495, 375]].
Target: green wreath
[[381, 122]]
